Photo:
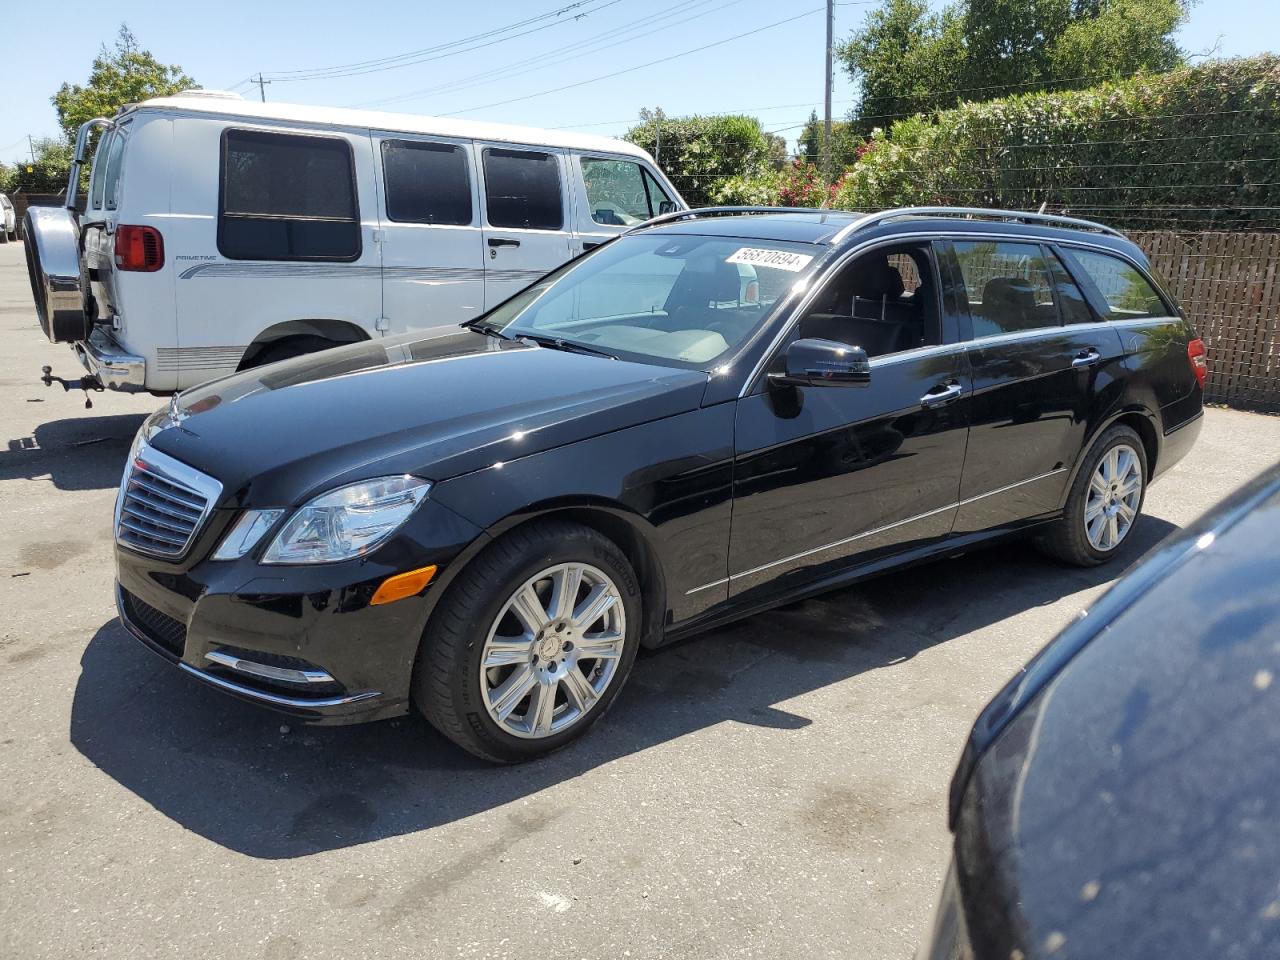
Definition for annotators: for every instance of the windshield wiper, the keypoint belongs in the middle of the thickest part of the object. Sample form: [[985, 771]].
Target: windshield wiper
[[483, 326], [569, 346]]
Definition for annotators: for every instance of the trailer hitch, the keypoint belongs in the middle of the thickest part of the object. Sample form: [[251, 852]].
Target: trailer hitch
[[89, 382]]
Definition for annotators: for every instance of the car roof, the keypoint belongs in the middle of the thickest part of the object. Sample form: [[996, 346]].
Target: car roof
[[227, 105]]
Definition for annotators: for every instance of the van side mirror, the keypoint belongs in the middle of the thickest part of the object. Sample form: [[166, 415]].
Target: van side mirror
[[823, 363], [666, 206]]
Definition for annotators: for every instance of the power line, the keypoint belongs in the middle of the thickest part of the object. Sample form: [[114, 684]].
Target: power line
[[640, 66], [542, 61], [450, 49]]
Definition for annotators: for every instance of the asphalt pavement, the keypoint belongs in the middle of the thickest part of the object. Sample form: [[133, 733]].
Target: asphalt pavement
[[774, 789]]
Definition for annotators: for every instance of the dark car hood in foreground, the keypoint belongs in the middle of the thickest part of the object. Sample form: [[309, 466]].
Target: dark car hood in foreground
[[436, 405], [1132, 808]]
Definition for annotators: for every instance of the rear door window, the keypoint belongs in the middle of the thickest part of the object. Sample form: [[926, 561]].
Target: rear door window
[[427, 182], [1126, 292], [115, 165], [98, 178], [1075, 308], [522, 189], [1008, 286], [287, 197]]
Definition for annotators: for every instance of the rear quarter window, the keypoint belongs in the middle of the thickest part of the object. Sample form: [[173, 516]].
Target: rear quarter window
[[287, 197], [1126, 292]]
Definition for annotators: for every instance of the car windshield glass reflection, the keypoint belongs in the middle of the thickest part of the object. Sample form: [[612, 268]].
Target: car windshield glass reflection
[[678, 300]]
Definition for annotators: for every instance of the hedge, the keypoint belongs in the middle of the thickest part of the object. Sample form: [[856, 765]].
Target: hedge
[[698, 153], [1192, 148]]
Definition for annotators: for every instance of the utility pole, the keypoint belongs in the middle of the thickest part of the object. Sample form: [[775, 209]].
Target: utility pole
[[826, 125], [262, 86], [32, 147]]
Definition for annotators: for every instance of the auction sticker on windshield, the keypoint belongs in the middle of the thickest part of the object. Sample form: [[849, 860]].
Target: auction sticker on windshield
[[777, 259]]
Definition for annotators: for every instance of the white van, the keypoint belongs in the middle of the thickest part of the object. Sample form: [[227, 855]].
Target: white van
[[220, 234]]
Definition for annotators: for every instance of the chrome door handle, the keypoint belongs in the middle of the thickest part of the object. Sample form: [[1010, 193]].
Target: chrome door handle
[[1086, 359], [941, 395]]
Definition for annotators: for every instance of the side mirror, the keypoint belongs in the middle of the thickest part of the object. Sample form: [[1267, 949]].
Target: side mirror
[[823, 363], [666, 206]]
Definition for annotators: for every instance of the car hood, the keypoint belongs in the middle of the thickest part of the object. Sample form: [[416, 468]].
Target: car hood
[[435, 405]]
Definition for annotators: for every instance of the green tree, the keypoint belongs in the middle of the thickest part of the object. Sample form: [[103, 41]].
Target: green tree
[[699, 153], [845, 142], [47, 173], [122, 75], [907, 59]]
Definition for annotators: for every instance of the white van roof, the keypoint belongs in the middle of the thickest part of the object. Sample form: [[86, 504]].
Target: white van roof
[[214, 104]]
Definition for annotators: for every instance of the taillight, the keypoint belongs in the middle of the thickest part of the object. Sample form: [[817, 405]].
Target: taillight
[[752, 293], [1198, 357], [139, 248]]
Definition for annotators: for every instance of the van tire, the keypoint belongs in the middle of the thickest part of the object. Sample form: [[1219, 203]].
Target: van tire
[[289, 347]]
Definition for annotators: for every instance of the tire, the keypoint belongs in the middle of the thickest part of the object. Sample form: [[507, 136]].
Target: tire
[[1084, 536], [288, 348], [464, 700]]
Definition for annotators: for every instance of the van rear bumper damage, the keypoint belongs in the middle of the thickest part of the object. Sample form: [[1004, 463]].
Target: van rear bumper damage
[[115, 367]]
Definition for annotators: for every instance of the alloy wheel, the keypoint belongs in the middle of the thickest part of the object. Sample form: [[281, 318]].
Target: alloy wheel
[[553, 650], [1114, 495]]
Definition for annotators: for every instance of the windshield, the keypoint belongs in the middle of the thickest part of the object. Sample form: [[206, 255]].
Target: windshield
[[676, 300]]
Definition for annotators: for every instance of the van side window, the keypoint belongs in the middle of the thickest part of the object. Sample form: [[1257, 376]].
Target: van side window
[[885, 301], [522, 189], [98, 178], [426, 182], [1008, 286], [115, 162], [620, 193], [1128, 294], [287, 197]]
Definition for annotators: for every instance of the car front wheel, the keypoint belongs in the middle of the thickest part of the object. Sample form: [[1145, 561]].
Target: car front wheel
[[1104, 501], [532, 642]]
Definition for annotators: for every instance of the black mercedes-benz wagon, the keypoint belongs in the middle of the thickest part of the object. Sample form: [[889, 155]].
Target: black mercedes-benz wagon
[[719, 411]]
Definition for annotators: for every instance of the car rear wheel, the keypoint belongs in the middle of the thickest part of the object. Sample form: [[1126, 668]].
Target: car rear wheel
[[531, 644], [1104, 501]]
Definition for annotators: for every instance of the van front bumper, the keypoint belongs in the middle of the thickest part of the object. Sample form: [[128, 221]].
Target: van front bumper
[[115, 367]]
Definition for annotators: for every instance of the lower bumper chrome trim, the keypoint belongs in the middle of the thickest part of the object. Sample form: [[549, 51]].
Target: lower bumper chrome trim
[[275, 699], [266, 671]]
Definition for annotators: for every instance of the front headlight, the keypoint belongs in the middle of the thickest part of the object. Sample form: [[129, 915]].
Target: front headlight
[[347, 522]]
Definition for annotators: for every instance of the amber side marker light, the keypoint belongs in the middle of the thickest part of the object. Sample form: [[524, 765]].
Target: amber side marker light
[[402, 585]]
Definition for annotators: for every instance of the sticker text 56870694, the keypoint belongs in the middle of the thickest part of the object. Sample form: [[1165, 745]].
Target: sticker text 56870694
[[774, 259]]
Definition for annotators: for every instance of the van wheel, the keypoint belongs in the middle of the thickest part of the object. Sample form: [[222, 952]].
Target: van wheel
[[1103, 503], [289, 347], [531, 644]]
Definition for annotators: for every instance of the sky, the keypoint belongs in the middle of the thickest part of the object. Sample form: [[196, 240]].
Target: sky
[[590, 68]]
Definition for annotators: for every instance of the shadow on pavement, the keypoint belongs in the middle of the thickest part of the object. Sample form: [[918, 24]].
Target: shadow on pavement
[[223, 769], [79, 453]]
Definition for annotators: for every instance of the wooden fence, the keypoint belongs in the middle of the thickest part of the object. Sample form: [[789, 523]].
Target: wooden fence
[[1229, 284]]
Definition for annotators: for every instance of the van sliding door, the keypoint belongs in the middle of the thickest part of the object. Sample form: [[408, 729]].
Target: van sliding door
[[527, 219], [432, 247]]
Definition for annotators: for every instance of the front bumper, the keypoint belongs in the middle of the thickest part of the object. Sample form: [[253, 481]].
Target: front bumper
[[302, 640], [116, 368]]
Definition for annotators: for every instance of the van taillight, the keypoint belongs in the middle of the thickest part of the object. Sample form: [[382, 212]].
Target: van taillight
[[139, 248], [753, 293], [1198, 357]]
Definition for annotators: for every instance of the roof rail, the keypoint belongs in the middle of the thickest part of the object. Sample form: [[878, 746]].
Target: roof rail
[[696, 212], [972, 213]]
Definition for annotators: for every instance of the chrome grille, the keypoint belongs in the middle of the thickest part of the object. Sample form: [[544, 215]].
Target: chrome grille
[[162, 504]]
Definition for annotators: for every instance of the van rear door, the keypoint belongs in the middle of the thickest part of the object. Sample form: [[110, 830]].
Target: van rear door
[[433, 244], [527, 219]]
